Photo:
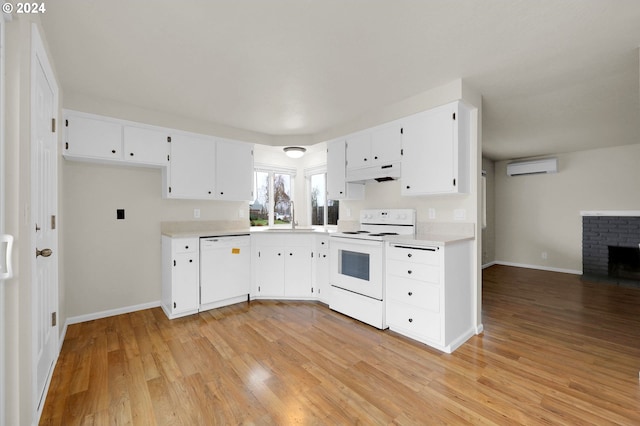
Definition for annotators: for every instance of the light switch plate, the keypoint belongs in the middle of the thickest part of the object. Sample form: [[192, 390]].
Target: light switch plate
[[196, 213], [432, 213]]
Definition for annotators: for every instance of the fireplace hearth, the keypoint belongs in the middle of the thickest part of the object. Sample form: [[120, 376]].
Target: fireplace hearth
[[611, 249]]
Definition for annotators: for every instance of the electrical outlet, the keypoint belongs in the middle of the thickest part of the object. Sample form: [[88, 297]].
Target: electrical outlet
[[348, 210], [241, 213], [544, 255], [459, 214], [432, 213], [196, 213]]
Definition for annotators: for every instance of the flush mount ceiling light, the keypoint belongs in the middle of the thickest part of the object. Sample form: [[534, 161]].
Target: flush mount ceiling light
[[294, 151]]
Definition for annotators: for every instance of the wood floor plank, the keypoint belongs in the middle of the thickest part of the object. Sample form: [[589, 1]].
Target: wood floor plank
[[555, 350]]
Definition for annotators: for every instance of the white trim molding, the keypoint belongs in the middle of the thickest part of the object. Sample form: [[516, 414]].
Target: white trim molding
[[111, 312], [539, 267], [631, 213]]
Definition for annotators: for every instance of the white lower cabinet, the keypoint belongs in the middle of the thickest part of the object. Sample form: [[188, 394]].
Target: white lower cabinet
[[430, 293], [180, 276], [282, 266], [321, 268]]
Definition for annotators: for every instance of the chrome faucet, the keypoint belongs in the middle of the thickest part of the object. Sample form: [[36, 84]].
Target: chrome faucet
[[293, 215]]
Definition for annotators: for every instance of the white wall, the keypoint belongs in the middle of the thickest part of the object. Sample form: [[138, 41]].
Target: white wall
[[541, 213], [114, 263]]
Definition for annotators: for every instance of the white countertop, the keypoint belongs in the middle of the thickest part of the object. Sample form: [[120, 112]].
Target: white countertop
[[428, 239], [204, 233], [201, 233]]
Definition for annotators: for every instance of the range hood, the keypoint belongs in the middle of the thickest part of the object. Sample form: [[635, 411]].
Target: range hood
[[379, 173]]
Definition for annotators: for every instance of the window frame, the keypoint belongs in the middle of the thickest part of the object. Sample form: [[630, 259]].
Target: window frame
[[271, 171], [308, 173]]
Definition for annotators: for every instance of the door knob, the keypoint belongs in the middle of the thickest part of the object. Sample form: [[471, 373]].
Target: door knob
[[44, 252]]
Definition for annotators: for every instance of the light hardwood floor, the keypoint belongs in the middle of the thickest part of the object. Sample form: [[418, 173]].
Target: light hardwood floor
[[555, 350]]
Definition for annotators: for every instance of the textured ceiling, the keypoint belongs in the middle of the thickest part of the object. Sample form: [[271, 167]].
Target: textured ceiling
[[556, 76]]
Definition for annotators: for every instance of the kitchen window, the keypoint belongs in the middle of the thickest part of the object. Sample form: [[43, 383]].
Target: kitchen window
[[322, 211], [274, 193]]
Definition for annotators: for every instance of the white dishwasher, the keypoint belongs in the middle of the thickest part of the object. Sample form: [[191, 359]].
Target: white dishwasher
[[225, 270]]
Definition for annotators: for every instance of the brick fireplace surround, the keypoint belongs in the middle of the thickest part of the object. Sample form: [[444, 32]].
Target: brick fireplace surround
[[601, 230]]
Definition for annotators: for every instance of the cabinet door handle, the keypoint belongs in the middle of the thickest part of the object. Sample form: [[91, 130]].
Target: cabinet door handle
[[375, 158], [174, 305], [221, 193], [279, 254], [365, 159], [190, 260], [290, 254], [410, 293], [324, 255], [131, 154], [113, 151], [410, 319], [409, 272], [409, 255], [186, 247]]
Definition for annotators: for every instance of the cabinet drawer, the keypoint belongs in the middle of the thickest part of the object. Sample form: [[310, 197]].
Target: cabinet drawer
[[415, 271], [415, 293], [186, 245], [413, 321], [425, 255]]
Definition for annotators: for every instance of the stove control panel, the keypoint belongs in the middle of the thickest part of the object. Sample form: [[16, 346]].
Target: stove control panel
[[388, 216]]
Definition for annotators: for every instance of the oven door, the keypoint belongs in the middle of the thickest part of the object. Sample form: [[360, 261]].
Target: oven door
[[356, 265]]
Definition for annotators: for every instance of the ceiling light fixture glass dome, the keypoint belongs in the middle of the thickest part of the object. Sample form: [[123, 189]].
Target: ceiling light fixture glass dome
[[294, 151]]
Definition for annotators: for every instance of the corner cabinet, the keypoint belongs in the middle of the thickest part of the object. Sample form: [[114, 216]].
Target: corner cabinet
[[436, 151], [180, 276], [337, 187], [282, 266], [430, 293]]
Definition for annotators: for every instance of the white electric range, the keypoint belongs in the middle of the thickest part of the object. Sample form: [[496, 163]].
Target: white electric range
[[357, 264]]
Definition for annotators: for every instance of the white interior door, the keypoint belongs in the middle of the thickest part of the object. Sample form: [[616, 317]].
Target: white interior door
[[44, 183]]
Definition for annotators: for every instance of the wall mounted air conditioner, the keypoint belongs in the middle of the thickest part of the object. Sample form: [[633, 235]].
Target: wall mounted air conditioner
[[532, 167]]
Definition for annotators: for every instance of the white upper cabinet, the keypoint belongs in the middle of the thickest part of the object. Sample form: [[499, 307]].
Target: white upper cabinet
[[435, 146], [358, 150], [92, 138], [386, 143], [234, 170], [146, 146], [377, 146], [337, 187], [191, 173]]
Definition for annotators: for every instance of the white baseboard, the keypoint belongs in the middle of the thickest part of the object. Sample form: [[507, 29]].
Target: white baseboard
[[539, 267], [110, 313], [486, 265]]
